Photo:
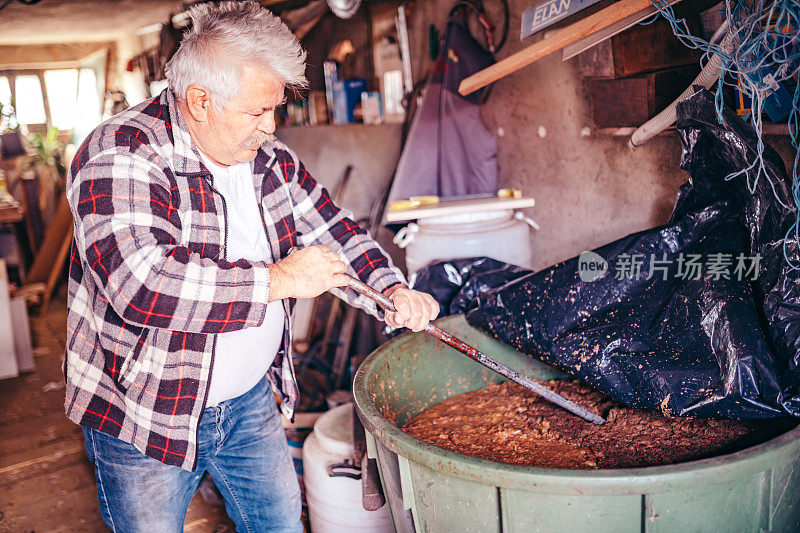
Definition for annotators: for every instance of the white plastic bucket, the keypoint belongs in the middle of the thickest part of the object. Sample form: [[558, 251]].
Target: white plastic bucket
[[497, 234], [334, 503], [296, 434]]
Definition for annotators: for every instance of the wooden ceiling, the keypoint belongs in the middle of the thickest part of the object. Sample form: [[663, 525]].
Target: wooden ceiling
[[58, 21], [61, 21]]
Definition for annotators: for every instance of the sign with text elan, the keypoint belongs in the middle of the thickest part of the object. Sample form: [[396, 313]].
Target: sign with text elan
[[549, 12]]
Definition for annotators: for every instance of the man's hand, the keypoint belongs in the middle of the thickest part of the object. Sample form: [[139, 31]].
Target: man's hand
[[414, 309], [306, 273]]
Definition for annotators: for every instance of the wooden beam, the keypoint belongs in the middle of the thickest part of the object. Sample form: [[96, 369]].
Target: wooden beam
[[52, 278], [44, 56], [49, 261], [591, 24], [48, 118]]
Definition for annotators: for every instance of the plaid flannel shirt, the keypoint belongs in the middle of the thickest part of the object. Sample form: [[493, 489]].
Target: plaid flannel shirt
[[149, 285]]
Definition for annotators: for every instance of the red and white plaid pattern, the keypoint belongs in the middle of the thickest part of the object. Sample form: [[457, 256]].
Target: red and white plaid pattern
[[149, 285]]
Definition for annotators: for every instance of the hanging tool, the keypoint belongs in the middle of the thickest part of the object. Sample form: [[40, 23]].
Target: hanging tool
[[372, 497], [405, 52], [481, 358]]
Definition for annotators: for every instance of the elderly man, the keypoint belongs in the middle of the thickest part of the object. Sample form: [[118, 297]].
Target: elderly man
[[181, 282]]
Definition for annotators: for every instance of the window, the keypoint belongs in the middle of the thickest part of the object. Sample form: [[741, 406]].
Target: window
[[30, 106], [74, 99], [88, 105], [5, 91], [62, 96], [5, 102]]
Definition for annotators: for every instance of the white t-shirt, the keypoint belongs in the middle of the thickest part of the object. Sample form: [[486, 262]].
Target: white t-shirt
[[242, 357]]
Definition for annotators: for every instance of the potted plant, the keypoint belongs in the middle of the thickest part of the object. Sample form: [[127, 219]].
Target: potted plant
[[46, 162]]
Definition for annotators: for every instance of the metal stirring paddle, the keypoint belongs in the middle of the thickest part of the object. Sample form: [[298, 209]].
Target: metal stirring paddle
[[456, 343]]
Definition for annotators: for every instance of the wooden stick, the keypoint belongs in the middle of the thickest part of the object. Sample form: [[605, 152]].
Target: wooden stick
[[58, 266], [591, 24]]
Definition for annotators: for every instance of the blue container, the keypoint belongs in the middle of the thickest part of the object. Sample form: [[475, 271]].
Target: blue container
[[346, 97]]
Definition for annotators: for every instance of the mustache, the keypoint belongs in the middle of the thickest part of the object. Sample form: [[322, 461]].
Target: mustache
[[258, 138]]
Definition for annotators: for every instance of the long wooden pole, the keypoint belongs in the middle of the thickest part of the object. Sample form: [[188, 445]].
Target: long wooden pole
[[593, 23]]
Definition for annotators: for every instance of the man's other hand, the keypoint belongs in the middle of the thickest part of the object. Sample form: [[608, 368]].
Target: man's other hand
[[414, 309], [306, 273]]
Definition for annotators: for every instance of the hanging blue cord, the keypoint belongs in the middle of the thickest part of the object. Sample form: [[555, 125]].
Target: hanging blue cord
[[649, 21], [766, 52]]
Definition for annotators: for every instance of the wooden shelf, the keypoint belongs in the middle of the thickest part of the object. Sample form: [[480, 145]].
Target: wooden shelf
[[341, 126], [627, 131], [768, 130], [775, 129], [10, 209], [457, 207]]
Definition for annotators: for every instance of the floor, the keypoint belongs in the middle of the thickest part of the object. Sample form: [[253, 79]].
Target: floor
[[46, 482]]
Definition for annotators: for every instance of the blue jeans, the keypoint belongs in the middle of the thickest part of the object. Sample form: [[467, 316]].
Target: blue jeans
[[244, 450]]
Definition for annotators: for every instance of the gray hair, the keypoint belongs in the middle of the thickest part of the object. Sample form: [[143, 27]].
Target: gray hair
[[223, 38]]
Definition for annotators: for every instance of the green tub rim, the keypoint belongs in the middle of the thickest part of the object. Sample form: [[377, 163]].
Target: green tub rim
[[715, 470]]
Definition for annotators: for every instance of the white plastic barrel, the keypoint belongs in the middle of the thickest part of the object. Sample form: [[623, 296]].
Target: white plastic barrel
[[496, 234], [334, 503]]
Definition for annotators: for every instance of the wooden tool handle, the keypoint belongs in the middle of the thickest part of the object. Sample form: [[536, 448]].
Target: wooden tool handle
[[372, 497]]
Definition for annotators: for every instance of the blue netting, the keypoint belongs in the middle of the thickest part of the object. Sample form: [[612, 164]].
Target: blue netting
[[766, 54]]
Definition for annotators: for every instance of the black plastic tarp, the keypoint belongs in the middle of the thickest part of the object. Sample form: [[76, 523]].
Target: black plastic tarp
[[697, 317], [455, 283]]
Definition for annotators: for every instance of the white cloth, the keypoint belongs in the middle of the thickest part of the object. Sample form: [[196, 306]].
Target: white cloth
[[242, 357]]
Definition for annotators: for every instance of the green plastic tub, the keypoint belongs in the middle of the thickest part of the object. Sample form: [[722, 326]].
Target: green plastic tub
[[431, 489]]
